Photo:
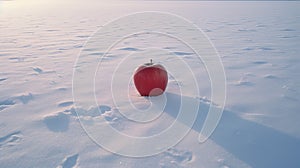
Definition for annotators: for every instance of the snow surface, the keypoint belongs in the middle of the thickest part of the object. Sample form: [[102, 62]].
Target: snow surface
[[259, 47]]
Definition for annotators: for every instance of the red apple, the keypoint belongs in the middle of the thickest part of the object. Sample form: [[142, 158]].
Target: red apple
[[150, 79]]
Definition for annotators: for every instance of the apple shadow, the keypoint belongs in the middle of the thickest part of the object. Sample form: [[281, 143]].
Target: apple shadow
[[257, 145]]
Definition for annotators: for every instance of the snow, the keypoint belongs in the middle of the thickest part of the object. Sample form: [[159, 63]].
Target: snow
[[41, 123]]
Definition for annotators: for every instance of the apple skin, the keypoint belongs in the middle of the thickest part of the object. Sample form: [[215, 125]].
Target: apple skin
[[150, 79]]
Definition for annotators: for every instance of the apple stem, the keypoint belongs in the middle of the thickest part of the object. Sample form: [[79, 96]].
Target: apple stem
[[151, 61]]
